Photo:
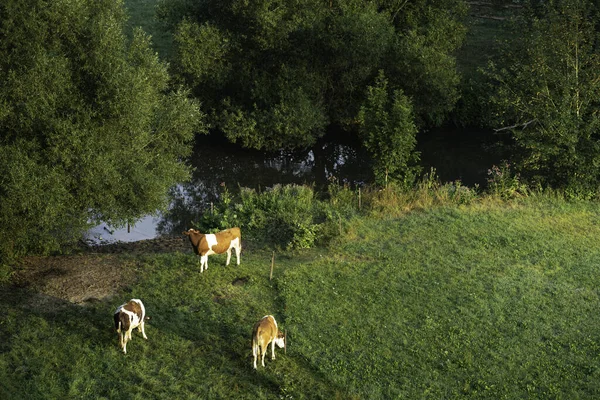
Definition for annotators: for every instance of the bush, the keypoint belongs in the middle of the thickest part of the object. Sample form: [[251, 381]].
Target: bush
[[223, 215], [505, 184], [289, 216], [282, 215]]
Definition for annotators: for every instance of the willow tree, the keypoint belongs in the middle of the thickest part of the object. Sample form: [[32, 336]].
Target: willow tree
[[547, 94], [276, 73], [89, 128]]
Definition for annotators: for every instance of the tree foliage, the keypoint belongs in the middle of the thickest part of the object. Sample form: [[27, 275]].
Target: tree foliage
[[277, 73], [547, 92], [89, 129], [389, 133]]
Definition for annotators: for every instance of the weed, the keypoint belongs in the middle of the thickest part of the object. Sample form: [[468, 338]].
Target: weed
[[502, 182]]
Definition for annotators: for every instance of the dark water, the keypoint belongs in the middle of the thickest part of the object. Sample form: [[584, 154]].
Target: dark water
[[461, 154], [217, 165], [455, 154]]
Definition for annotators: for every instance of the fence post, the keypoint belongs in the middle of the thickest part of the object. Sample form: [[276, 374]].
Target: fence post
[[272, 264], [359, 200]]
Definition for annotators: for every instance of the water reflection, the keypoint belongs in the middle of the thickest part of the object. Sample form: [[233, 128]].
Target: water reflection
[[221, 164], [460, 154]]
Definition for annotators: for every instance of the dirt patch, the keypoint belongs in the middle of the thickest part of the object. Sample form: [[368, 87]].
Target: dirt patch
[[162, 245], [77, 279], [240, 281], [95, 273]]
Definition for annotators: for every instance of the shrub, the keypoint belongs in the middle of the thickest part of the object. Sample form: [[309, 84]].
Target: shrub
[[505, 184], [282, 215], [221, 216]]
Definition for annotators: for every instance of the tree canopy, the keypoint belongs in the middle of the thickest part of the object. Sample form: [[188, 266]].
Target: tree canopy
[[276, 74], [546, 92], [90, 129]]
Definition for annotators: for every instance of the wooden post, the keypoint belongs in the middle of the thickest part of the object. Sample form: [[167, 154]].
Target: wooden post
[[272, 264], [386, 178]]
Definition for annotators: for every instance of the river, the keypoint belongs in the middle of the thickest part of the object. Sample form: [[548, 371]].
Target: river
[[464, 155]]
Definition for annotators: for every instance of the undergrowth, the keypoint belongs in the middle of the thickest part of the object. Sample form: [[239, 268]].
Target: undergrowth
[[297, 217]]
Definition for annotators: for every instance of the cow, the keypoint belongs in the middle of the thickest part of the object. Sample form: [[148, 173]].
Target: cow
[[127, 317], [215, 243], [264, 332]]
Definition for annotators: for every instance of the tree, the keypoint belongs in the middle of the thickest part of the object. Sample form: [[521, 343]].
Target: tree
[[276, 74], [389, 134], [89, 129], [546, 92]]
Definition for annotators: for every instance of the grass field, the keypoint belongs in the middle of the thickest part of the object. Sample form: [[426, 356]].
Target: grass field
[[481, 301]]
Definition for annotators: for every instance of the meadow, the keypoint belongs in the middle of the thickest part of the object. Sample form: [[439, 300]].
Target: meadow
[[468, 298], [494, 299]]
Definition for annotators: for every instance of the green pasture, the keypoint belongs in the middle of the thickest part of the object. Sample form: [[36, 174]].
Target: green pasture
[[496, 301]]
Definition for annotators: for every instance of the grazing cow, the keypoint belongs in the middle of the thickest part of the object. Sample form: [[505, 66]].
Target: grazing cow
[[264, 332], [215, 243], [127, 317]]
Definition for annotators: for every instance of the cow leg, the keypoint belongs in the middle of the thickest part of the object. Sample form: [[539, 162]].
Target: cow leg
[[263, 353], [238, 250], [203, 263], [273, 349], [141, 329], [254, 351], [125, 343], [228, 256], [121, 345]]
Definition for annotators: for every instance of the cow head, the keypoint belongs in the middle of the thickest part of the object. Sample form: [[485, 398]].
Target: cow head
[[281, 339]]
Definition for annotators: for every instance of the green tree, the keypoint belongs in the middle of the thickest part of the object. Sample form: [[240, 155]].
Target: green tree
[[89, 129], [389, 134], [546, 92], [277, 74]]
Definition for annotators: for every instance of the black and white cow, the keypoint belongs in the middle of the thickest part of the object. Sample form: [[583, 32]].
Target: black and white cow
[[127, 317]]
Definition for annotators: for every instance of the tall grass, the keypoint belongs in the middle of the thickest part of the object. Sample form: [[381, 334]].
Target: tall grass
[[482, 300]]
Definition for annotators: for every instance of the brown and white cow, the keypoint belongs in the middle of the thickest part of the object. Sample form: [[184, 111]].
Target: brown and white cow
[[127, 317], [215, 243], [264, 332]]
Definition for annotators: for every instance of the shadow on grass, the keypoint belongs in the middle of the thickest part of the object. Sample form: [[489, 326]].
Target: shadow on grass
[[218, 332], [92, 320], [225, 343]]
